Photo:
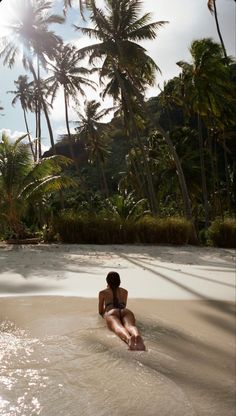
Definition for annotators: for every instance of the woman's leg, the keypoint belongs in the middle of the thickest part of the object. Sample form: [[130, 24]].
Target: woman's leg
[[128, 320], [115, 325]]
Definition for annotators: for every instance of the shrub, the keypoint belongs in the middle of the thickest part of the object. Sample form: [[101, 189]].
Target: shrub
[[85, 229], [222, 233], [171, 230]]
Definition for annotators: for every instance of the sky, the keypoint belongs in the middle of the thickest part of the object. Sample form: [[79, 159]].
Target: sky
[[188, 20]]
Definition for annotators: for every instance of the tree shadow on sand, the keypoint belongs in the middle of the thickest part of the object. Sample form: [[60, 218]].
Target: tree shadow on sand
[[33, 260], [223, 306]]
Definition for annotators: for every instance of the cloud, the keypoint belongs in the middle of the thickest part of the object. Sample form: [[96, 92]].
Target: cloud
[[12, 135]]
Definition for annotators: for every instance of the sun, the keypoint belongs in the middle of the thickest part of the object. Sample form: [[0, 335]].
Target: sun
[[6, 15]]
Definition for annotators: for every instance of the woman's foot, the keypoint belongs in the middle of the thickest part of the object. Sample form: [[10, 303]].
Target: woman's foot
[[131, 342], [139, 344]]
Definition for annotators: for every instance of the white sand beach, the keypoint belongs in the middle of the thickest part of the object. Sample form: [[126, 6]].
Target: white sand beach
[[58, 358]]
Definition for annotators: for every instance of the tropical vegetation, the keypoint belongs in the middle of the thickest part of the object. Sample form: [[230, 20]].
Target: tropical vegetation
[[162, 170]]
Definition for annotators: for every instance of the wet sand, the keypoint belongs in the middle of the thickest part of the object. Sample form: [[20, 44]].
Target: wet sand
[[58, 358]]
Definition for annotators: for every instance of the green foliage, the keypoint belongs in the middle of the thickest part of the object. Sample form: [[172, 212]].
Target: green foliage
[[172, 230], [77, 228], [222, 233], [23, 183], [126, 207]]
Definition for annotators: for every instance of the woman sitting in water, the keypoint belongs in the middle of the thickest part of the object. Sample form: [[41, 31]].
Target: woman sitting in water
[[119, 319]]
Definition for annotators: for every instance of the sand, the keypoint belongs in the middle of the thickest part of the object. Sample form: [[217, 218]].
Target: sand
[[53, 343]]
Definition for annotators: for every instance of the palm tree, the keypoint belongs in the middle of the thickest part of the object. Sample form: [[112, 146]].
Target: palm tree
[[168, 99], [126, 65], [24, 93], [127, 207], [21, 180], [206, 90], [94, 133], [213, 9], [29, 37], [72, 78]]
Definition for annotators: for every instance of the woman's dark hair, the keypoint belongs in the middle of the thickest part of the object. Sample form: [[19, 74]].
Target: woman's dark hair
[[113, 280]]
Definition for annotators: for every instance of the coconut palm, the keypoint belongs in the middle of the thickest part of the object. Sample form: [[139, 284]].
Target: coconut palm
[[23, 93], [126, 65], [29, 37], [94, 133], [206, 90], [22, 181], [72, 78], [167, 99]]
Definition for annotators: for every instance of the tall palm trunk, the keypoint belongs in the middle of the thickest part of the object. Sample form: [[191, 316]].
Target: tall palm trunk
[[103, 175], [39, 103], [71, 140], [137, 176], [36, 130], [203, 173], [30, 141], [126, 99], [218, 28], [45, 110], [217, 179], [213, 175], [39, 131], [227, 176], [182, 182], [49, 127]]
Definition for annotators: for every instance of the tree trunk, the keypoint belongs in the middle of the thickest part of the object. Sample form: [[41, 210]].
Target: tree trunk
[[218, 30], [39, 131], [218, 180], [103, 174], [49, 127], [71, 140], [150, 187], [30, 141], [182, 182], [203, 173], [213, 173], [36, 131], [151, 192], [227, 176]]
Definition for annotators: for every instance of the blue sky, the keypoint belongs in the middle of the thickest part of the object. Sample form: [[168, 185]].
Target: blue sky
[[188, 20]]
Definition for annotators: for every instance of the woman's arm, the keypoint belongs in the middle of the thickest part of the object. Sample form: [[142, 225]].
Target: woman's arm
[[126, 296], [101, 303]]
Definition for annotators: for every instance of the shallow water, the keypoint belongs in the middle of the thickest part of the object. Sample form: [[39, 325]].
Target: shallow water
[[58, 358]]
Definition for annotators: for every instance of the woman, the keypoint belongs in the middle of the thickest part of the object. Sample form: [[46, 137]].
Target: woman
[[119, 319]]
